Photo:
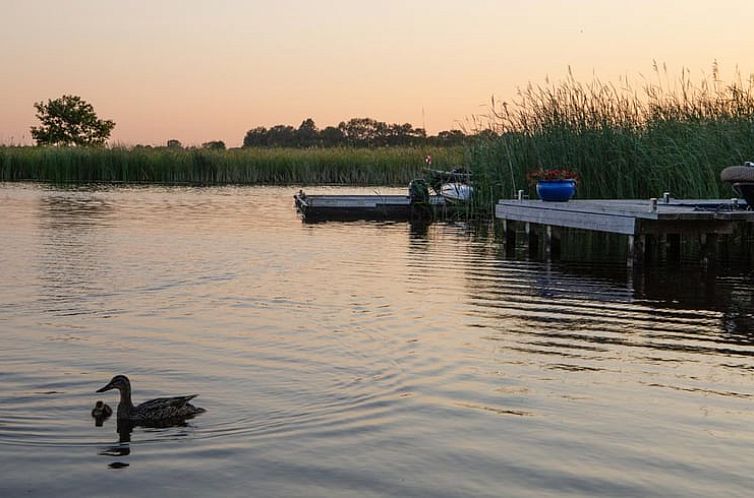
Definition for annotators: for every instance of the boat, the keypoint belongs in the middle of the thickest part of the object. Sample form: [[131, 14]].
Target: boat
[[452, 192], [456, 192], [454, 185], [313, 208]]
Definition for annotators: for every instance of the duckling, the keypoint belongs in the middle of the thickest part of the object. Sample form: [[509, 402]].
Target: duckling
[[101, 410], [153, 411]]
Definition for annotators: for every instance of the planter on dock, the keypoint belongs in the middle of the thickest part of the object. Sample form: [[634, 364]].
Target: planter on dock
[[556, 190]]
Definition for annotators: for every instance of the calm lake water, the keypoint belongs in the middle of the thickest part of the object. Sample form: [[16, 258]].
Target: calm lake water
[[355, 359]]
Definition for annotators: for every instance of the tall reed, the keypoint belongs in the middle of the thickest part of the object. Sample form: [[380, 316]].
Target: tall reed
[[671, 136], [352, 166]]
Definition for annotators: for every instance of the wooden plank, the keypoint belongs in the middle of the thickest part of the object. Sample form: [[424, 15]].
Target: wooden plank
[[358, 201], [687, 227], [597, 221], [641, 209], [629, 216]]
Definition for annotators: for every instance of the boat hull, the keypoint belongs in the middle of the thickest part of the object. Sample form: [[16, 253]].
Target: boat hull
[[314, 208], [457, 192]]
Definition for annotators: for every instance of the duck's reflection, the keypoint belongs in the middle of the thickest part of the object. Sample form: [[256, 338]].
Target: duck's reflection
[[123, 447], [125, 428]]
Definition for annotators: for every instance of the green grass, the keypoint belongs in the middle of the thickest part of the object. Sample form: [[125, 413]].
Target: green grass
[[624, 143], [349, 166]]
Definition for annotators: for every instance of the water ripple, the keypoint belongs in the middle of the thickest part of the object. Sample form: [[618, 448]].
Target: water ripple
[[357, 358]]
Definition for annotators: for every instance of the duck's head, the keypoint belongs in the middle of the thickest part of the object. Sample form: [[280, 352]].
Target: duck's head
[[119, 382]]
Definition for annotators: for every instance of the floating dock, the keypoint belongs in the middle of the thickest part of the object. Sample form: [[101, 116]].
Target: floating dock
[[666, 218], [371, 207]]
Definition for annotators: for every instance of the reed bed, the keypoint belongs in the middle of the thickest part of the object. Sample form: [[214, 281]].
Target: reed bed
[[669, 136], [280, 166]]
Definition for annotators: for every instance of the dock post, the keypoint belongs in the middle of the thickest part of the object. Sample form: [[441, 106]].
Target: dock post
[[708, 242], [662, 244], [746, 241], [674, 247], [631, 251], [509, 234], [723, 244], [650, 248], [557, 234], [641, 250], [548, 242], [531, 239]]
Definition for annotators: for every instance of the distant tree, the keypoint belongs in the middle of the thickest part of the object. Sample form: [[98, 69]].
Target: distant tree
[[281, 136], [405, 134], [399, 134], [332, 136], [214, 145], [486, 135], [256, 137], [450, 137], [69, 120], [307, 134], [364, 132], [174, 144]]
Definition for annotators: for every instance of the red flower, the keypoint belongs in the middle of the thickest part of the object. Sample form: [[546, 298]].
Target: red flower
[[552, 174]]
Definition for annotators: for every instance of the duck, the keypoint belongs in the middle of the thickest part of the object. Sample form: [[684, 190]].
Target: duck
[[101, 410], [153, 411]]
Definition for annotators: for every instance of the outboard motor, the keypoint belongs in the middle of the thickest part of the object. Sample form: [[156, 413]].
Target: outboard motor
[[418, 192], [741, 178]]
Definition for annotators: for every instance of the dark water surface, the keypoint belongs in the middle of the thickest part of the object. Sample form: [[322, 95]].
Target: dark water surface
[[355, 359]]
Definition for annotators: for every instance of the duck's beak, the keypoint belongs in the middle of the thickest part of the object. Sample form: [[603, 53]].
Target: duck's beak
[[106, 388]]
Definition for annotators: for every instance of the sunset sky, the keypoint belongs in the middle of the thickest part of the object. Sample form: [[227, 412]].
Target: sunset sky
[[210, 70]]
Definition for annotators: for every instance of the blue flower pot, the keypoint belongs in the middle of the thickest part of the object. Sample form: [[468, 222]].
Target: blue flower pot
[[556, 190]]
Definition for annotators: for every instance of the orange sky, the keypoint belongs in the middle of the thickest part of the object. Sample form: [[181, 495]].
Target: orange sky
[[200, 70]]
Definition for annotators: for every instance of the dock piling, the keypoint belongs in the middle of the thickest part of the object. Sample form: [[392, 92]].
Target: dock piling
[[532, 240], [631, 254], [548, 242], [509, 237]]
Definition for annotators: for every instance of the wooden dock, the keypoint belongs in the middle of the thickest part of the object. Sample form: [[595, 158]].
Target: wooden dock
[[314, 208], [638, 219]]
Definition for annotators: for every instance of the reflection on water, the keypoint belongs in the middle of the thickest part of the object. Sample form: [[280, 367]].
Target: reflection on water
[[124, 429], [368, 359]]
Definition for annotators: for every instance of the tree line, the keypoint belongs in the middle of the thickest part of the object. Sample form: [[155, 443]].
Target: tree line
[[357, 132], [69, 120]]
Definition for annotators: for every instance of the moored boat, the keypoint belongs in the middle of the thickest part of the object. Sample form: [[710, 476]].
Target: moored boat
[[456, 192], [454, 185], [361, 207]]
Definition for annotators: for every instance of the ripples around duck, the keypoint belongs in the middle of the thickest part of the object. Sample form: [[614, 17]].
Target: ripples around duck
[[361, 358]]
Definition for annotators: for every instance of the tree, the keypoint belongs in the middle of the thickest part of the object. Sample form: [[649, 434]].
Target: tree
[[255, 137], [307, 134], [404, 134], [174, 144], [363, 132], [281, 136], [332, 136], [486, 135], [69, 120], [214, 145], [450, 137]]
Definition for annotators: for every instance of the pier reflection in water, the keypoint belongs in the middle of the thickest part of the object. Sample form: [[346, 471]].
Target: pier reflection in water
[[370, 359]]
